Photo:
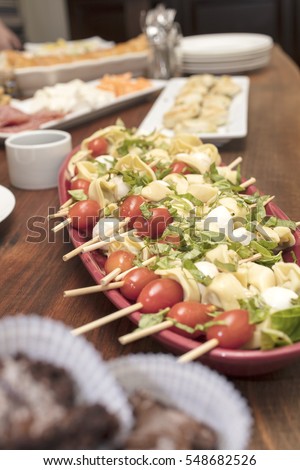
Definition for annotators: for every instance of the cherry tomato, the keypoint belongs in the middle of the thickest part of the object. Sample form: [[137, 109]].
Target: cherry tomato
[[130, 207], [236, 331], [180, 167], [156, 225], [98, 146], [80, 183], [191, 313], [84, 214], [119, 259], [135, 281], [159, 294]]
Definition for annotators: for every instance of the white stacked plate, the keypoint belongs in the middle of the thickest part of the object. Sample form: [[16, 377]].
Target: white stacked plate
[[225, 53]]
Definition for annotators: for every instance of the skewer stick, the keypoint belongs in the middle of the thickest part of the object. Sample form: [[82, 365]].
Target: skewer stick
[[67, 203], [92, 289], [297, 224], [109, 277], [94, 240], [235, 163], [144, 263], [248, 183], [62, 213], [139, 334], [62, 225], [107, 319], [199, 351], [79, 249], [100, 244], [252, 258], [265, 203]]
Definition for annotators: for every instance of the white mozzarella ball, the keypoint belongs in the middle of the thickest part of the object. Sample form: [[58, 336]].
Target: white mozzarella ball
[[278, 298]]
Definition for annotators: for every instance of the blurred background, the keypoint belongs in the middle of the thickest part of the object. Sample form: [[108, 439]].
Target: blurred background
[[118, 20]]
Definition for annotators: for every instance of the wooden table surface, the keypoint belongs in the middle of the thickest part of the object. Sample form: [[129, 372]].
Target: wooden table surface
[[33, 275]]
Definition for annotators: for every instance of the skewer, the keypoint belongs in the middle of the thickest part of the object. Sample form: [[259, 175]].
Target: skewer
[[265, 203], [107, 319], [248, 183], [139, 334], [109, 277], [92, 289], [94, 240], [199, 351], [100, 244], [63, 224], [251, 258], [103, 286], [145, 263], [297, 224], [235, 163], [62, 213], [67, 203]]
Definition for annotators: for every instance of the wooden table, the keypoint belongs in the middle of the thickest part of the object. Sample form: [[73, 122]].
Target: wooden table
[[34, 275]]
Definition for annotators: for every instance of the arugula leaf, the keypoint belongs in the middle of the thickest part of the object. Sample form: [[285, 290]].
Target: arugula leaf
[[270, 338], [287, 321], [128, 144], [197, 275], [151, 319], [225, 267], [268, 258], [145, 210], [258, 310], [275, 222], [78, 194]]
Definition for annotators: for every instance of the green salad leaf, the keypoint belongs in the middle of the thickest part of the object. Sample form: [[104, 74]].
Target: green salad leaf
[[78, 195]]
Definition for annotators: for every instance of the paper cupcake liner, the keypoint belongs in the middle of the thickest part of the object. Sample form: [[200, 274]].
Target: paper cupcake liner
[[51, 341], [200, 392]]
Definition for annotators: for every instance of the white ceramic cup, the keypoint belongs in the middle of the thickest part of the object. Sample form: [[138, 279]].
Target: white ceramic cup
[[34, 157]]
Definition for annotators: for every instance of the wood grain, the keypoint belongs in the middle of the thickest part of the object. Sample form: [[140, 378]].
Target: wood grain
[[33, 275]]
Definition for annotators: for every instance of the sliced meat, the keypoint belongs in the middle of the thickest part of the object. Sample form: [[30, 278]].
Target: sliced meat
[[10, 116], [33, 121]]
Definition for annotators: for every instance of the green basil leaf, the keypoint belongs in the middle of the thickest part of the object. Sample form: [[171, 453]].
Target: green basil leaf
[[78, 195]]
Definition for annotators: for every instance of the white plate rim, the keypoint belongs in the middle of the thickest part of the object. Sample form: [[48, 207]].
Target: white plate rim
[[238, 108], [9, 200]]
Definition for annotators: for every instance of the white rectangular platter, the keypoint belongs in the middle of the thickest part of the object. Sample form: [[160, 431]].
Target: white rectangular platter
[[237, 124], [80, 117]]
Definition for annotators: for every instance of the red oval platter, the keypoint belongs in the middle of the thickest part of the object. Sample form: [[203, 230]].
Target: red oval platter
[[230, 362]]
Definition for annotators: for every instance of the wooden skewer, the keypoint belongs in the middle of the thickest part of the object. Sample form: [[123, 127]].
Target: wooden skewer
[[144, 263], [199, 351], [152, 164], [62, 225], [248, 183], [67, 203], [100, 244], [92, 289], [107, 319], [80, 249], [297, 224], [235, 163], [109, 277], [252, 258], [62, 213], [265, 203], [139, 334]]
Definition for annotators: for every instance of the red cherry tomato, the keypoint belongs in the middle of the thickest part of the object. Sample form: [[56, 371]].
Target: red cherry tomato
[[84, 214], [160, 294], [98, 146], [180, 167], [191, 313], [130, 207], [236, 331], [135, 281], [80, 183], [119, 259], [156, 225]]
